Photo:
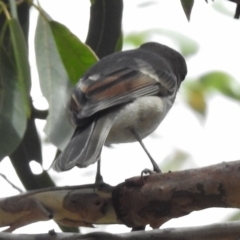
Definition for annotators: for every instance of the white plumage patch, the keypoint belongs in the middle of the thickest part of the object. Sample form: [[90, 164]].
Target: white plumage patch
[[146, 69], [94, 77]]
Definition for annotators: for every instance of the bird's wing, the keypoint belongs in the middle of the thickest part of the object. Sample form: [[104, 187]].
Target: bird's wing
[[97, 92]]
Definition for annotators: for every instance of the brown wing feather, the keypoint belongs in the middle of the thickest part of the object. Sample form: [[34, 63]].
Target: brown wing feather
[[118, 87]]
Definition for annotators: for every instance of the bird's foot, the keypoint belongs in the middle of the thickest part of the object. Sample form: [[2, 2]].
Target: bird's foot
[[147, 171]]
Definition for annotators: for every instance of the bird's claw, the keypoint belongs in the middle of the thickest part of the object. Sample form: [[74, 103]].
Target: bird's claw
[[147, 172]]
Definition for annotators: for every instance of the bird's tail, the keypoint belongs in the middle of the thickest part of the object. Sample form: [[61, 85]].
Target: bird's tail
[[86, 144]]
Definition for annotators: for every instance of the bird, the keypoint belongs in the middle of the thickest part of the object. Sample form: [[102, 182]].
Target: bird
[[122, 98]]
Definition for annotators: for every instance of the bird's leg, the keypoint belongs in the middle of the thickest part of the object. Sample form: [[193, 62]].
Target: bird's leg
[[155, 166], [102, 188], [99, 178]]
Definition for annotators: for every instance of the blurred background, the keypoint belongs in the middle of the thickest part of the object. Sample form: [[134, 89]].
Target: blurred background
[[201, 129]]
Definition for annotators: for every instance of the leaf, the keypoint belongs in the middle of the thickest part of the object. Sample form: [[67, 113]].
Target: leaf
[[220, 7], [29, 180], [76, 56], [104, 34], [13, 119], [54, 84], [119, 44], [187, 7], [137, 38], [21, 58], [222, 82], [187, 45], [31, 143], [197, 90], [195, 97]]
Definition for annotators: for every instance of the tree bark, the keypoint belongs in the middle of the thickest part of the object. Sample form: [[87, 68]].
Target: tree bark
[[139, 201]]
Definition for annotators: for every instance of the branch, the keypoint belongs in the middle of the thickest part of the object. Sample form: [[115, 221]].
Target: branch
[[68, 206], [10, 183], [153, 199], [222, 231], [175, 194]]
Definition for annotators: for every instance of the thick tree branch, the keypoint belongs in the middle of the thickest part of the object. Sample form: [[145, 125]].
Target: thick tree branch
[[165, 196], [153, 199]]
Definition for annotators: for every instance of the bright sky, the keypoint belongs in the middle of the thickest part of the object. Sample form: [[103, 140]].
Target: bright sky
[[209, 142]]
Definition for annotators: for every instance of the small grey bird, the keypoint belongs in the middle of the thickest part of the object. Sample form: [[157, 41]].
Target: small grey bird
[[122, 98]]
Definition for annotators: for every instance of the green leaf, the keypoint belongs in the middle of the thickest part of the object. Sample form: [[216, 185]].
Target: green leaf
[[76, 56], [221, 82], [195, 96], [187, 45], [54, 83], [137, 38], [220, 7], [198, 90], [105, 27], [21, 58], [29, 180], [13, 119], [31, 142], [187, 7]]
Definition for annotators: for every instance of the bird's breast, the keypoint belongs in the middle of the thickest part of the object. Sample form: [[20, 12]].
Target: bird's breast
[[143, 115]]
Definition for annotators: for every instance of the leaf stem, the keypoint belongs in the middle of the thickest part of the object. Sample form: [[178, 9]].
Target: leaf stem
[[5, 10], [13, 9], [40, 10]]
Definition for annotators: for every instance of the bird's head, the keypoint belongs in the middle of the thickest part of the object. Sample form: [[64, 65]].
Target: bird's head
[[175, 59]]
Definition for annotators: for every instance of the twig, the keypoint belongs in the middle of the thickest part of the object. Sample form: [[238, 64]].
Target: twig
[[13, 185]]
